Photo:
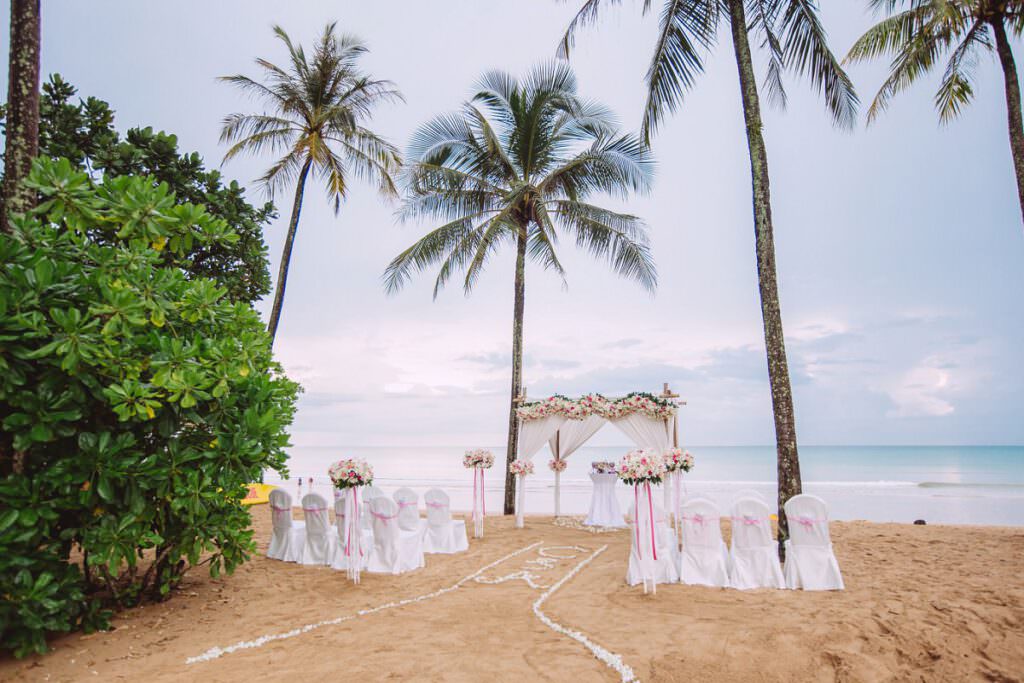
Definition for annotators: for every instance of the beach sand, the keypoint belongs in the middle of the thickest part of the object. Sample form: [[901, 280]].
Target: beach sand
[[922, 603]]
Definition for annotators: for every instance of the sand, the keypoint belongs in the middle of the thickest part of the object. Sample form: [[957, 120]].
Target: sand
[[923, 603]]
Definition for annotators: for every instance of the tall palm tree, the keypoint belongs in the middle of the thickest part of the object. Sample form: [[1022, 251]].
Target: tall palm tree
[[792, 37], [516, 166], [922, 30], [317, 109]]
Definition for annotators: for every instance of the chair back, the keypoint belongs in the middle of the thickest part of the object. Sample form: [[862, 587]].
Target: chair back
[[384, 513], [749, 493], [370, 492], [751, 526], [408, 502], [808, 520], [340, 503], [659, 514], [314, 510], [438, 508], [701, 524], [280, 509]]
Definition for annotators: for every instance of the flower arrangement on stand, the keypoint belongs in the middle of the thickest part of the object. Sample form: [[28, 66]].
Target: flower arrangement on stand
[[640, 469], [352, 473], [520, 468], [478, 460], [677, 461]]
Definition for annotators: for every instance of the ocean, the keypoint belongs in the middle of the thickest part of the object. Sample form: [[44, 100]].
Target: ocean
[[940, 484]]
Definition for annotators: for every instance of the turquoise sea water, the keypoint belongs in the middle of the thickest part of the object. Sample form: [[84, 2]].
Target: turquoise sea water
[[941, 484]]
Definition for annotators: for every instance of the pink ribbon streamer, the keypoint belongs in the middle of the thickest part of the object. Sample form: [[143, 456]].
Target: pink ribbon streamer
[[304, 510], [650, 509], [354, 500]]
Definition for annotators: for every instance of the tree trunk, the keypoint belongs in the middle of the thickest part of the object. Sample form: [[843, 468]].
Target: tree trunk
[[1013, 113], [778, 369], [22, 109], [286, 254], [517, 371]]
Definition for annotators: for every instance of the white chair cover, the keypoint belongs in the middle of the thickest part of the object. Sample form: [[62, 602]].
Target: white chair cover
[[320, 537], [705, 559], [288, 536], [340, 561], [754, 554], [810, 562], [394, 550], [641, 559], [604, 506], [444, 534], [369, 493], [408, 502]]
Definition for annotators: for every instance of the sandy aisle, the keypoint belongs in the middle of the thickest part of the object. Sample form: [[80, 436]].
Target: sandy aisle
[[923, 603]]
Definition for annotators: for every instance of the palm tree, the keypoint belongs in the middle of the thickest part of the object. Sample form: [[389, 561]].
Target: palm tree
[[792, 37], [318, 107], [917, 35], [22, 130], [516, 166]]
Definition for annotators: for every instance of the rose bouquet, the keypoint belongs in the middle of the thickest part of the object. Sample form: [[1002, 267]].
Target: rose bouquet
[[641, 466], [350, 472], [478, 459], [521, 467], [677, 459], [557, 465]]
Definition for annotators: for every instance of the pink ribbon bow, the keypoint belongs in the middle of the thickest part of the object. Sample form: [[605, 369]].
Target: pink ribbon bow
[[406, 503], [807, 522], [314, 509], [380, 516], [698, 518], [748, 520], [436, 505]]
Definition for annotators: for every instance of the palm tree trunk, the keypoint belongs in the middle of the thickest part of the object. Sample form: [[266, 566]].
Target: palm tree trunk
[[22, 109], [1013, 112], [778, 369], [286, 255], [517, 371]]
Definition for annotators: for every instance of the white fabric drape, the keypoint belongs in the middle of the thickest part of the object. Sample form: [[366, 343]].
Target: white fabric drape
[[566, 441], [533, 434], [648, 433]]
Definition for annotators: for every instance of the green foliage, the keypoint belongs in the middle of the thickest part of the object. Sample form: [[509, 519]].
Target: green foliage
[[520, 160], [84, 133], [136, 403]]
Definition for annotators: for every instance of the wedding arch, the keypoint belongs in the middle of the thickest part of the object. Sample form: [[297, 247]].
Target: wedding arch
[[651, 421]]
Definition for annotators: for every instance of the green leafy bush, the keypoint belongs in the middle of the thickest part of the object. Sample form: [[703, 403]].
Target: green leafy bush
[[136, 402]]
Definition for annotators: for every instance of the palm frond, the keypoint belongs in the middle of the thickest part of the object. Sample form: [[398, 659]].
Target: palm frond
[[956, 91]]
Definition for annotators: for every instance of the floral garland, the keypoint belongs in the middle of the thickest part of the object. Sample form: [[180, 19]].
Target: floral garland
[[641, 466], [595, 404], [521, 467], [557, 465], [479, 459], [678, 459], [349, 473]]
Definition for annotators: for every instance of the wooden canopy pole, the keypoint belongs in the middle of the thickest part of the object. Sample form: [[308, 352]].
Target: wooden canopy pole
[[667, 393]]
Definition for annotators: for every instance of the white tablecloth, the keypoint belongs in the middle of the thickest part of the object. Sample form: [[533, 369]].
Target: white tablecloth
[[604, 506]]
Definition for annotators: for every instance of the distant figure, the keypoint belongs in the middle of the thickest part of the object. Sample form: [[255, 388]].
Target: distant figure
[[921, 522]]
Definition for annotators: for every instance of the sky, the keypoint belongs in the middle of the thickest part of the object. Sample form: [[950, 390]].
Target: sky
[[900, 246]]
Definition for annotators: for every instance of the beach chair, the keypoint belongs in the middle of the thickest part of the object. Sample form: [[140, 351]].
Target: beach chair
[[810, 563], [408, 501], [754, 554], [705, 559], [666, 567], [320, 537], [443, 535], [395, 550], [288, 536]]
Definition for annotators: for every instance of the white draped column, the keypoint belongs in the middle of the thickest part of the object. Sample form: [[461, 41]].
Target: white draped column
[[652, 433], [533, 434]]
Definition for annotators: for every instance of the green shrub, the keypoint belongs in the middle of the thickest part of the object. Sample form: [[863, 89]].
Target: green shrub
[[136, 402]]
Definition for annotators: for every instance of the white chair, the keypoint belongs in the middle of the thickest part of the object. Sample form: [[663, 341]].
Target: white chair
[[340, 560], [749, 493], [666, 568], [705, 560], [408, 502], [394, 550], [288, 536], [369, 493], [320, 537], [443, 535], [754, 555], [810, 562]]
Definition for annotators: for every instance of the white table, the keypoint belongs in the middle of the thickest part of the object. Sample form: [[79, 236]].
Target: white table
[[604, 506]]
